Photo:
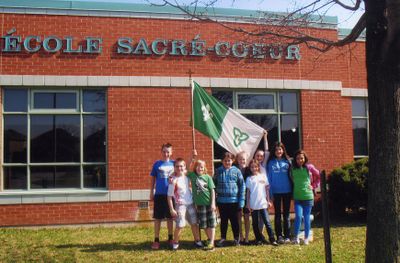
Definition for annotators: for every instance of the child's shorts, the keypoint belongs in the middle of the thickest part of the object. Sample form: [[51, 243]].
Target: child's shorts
[[206, 216], [161, 208], [185, 212]]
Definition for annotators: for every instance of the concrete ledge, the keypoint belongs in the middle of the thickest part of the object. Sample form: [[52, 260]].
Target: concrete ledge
[[175, 82], [354, 92], [73, 196]]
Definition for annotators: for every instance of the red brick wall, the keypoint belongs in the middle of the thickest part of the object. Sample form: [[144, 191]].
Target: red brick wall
[[76, 213], [333, 65], [326, 128], [140, 120]]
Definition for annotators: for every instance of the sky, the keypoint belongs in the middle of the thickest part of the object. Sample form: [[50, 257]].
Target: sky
[[346, 19]]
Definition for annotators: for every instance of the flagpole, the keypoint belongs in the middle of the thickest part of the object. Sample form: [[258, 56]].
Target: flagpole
[[191, 108]]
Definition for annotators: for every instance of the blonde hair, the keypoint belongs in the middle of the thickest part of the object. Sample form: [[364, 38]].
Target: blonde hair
[[197, 163]]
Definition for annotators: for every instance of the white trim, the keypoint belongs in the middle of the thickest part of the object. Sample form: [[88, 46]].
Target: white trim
[[72, 196], [166, 81], [354, 92]]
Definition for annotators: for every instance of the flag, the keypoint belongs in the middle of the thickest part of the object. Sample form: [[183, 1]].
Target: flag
[[225, 126]]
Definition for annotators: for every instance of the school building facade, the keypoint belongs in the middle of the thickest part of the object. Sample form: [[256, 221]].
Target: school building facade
[[90, 92]]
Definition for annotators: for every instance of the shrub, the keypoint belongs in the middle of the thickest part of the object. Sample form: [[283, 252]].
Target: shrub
[[348, 188]]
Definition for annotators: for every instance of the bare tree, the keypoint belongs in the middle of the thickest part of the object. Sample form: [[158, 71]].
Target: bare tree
[[381, 20]]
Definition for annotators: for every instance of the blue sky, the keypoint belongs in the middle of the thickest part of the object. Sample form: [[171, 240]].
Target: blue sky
[[347, 19]]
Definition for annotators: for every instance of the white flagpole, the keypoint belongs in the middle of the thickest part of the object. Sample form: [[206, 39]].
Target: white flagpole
[[191, 107]]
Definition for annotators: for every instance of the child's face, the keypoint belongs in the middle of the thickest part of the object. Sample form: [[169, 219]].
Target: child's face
[[166, 153], [180, 168], [278, 152], [259, 156], [241, 159], [227, 162], [200, 169], [300, 159], [254, 168]]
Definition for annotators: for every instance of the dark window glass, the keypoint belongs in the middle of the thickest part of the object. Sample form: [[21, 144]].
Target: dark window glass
[[290, 133], [269, 123], [94, 176], [94, 138], [43, 177], [15, 100], [360, 137], [15, 178], [358, 107], [15, 132], [55, 138], [255, 101], [94, 101], [54, 100], [288, 102], [225, 97]]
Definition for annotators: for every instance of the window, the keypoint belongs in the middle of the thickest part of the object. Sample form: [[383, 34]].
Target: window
[[277, 112], [360, 126], [54, 139]]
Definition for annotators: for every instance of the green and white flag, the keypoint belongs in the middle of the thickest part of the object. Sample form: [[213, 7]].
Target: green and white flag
[[225, 126]]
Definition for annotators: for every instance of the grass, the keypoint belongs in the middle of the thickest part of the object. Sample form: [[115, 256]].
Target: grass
[[132, 244]]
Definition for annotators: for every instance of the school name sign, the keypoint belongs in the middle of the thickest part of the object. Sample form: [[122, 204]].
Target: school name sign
[[158, 47]]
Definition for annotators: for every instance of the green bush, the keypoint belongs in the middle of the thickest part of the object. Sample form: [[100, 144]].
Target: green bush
[[348, 190]]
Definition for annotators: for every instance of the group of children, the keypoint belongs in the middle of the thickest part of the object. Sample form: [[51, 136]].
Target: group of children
[[190, 194]]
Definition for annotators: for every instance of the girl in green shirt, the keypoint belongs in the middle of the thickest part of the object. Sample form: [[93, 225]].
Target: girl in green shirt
[[303, 195]]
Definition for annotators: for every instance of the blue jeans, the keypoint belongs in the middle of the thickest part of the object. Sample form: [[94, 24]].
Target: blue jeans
[[263, 213], [302, 208]]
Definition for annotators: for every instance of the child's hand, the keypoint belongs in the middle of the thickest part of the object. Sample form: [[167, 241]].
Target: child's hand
[[213, 207], [248, 207], [310, 187], [173, 213]]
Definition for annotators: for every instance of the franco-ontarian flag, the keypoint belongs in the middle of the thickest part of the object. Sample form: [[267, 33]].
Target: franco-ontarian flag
[[225, 126]]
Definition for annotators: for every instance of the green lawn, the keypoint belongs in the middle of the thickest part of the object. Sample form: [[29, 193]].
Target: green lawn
[[131, 244]]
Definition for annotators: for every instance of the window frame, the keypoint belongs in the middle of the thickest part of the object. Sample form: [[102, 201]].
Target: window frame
[[360, 117], [76, 111]]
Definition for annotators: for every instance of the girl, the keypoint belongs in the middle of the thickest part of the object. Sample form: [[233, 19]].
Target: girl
[[303, 195], [241, 159], [179, 189], [278, 168], [258, 202], [204, 199], [230, 190]]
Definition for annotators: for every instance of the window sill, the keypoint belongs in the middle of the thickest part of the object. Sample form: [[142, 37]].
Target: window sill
[[71, 196]]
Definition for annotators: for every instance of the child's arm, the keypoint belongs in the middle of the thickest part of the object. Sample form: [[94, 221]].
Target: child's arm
[[152, 184], [248, 199], [266, 149], [171, 188], [213, 207], [268, 197], [192, 159], [315, 176]]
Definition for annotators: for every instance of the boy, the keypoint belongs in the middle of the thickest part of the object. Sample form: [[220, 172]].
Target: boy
[[162, 170], [180, 192]]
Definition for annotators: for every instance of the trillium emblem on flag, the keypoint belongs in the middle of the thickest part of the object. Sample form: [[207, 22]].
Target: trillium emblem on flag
[[239, 136]]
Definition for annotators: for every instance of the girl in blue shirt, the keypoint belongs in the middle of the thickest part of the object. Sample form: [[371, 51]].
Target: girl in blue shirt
[[278, 168]]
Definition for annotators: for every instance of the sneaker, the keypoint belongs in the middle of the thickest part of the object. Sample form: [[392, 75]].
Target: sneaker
[[274, 243], [287, 240], [236, 242], [175, 246], [198, 244], [281, 240], [296, 241], [306, 241], [259, 243], [209, 247], [155, 245], [221, 242]]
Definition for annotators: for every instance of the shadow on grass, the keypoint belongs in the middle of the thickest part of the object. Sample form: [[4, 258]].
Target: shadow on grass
[[344, 221], [143, 246]]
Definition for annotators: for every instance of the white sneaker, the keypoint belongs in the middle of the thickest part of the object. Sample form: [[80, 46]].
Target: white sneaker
[[175, 246], [306, 241], [287, 240]]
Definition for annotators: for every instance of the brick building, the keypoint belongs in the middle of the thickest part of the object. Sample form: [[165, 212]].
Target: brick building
[[90, 91]]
